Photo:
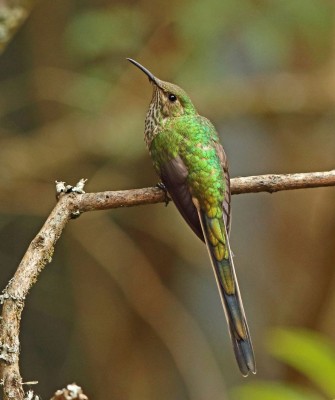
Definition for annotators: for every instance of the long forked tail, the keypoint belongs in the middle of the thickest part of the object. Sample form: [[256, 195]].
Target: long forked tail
[[217, 243]]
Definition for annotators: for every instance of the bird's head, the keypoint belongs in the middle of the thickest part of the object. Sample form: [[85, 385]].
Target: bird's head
[[168, 100]]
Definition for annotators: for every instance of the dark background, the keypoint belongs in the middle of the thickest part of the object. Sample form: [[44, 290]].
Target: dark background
[[128, 308]]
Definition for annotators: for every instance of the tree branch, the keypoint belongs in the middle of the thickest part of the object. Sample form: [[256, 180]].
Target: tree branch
[[275, 182], [41, 249], [250, 184], [13, 13]]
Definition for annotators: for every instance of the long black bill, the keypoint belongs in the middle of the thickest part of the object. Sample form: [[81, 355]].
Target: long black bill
[[143, 69]]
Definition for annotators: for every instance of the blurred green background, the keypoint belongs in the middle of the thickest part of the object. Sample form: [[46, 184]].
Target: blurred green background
[[128, 309]]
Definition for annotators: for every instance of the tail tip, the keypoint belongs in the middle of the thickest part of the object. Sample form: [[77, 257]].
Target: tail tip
[[245, 356]]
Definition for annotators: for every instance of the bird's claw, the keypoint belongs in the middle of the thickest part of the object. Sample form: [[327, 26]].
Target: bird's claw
[[167, 198]]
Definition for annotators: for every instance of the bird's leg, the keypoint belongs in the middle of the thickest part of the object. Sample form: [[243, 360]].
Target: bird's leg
[[167, 199]]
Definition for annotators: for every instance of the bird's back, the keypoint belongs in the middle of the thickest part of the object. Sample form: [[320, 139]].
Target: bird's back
[[189, 158]]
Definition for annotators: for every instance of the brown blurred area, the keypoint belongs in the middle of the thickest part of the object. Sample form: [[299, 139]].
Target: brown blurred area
[[128, 308]]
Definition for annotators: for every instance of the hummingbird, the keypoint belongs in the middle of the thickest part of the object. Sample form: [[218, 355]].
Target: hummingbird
[[192, 165]]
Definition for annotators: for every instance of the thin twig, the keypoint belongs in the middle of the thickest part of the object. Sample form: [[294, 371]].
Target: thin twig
[[251, 184], [41, 249], [275, 182]]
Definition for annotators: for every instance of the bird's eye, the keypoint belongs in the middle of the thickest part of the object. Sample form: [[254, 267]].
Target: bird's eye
[[172, 97]]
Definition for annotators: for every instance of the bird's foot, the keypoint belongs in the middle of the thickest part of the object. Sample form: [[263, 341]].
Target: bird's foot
[[167, 199], [62, 188]]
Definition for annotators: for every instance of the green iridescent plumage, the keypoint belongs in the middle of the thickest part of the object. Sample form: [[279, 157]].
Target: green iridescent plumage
[[191, 162]]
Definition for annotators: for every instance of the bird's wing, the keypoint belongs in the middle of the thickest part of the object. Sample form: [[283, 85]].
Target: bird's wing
[[227, 197], [174, 176]]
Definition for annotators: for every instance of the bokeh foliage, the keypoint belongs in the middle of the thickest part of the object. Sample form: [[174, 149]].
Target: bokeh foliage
[[310, 353], [129, 307]]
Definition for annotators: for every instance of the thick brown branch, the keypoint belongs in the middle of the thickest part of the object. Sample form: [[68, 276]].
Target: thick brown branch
[[39, 253], [41, 249]]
